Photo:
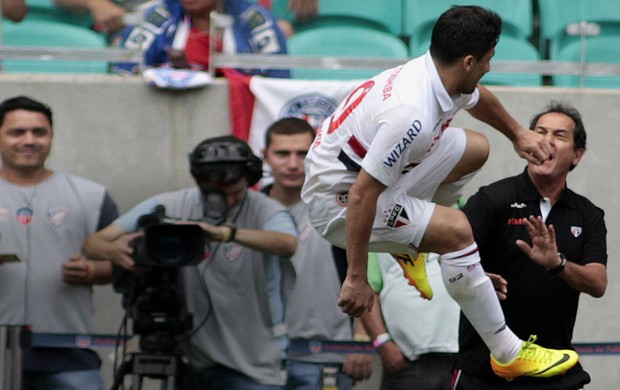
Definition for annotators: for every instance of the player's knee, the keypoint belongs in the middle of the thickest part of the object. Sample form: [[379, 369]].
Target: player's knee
[[460, 231], [477, 151]]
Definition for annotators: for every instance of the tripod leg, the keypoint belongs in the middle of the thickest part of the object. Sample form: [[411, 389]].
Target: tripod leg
[[124, 369]]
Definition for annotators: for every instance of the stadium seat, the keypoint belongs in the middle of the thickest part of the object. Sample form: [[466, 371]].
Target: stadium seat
[[419, 17], [48, 11], [344, 41], [48, 33], [560, 45], [556, 15], [514, 45], [385, 16], [605, 49]]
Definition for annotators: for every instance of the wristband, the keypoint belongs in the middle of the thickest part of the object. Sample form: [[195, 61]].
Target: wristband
[[559, 268], [232, 232], [381, 339]]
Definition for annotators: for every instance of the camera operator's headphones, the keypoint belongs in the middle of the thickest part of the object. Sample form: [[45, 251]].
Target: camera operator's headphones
[[222, 150]]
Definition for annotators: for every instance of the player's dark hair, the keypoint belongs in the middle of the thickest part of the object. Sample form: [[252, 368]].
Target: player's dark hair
[[464, 30]]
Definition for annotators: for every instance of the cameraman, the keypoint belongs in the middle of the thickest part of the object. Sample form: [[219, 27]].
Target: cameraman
[[235, 293]]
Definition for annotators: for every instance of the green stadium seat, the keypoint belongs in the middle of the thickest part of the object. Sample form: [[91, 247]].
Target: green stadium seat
[[419, 17], [605, 49], [381, 15], [559, 45], [344, 41], [48, 11], [53, 34], [556, 15], [517, 27]]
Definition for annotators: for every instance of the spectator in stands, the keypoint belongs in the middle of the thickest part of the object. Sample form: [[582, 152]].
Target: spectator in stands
[[182, 38], [235, 293], [303, 11], [312, 312], [46, 216], [107, 14], [417, 340], [546, 245], [14, 10]]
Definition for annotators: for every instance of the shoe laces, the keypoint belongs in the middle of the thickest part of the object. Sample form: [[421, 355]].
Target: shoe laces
[[534, 353]]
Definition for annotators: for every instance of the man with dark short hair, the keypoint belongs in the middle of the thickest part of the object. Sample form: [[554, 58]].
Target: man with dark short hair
[[386, 165], [46, 214], [544, 245]]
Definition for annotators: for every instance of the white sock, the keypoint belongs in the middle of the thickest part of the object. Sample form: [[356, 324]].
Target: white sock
[[472, 289]]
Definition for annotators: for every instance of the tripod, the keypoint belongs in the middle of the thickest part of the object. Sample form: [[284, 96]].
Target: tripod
[[152, 365]]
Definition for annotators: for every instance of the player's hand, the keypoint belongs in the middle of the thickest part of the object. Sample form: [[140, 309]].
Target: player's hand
[[500, 284], [533, 147], [356, 295]]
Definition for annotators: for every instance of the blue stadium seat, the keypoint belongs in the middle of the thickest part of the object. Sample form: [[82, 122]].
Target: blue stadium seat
[[381, 15], [49, 33], [345, 41], [517, 21]]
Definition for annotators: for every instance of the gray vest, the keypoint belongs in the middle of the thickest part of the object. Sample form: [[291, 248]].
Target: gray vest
[[44, 225], [227, 294], [312, 312]]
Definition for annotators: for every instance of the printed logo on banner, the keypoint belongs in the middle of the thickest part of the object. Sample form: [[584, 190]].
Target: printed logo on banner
[[313, 108], [315, 346], [83, 341]]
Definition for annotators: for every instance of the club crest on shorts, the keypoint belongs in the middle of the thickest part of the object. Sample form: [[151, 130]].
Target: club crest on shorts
[[397, 217]]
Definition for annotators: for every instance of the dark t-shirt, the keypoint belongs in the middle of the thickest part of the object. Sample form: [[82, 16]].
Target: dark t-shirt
[[538, 303]]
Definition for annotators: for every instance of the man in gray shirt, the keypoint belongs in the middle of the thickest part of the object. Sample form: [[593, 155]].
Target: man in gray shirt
[[236, 292]]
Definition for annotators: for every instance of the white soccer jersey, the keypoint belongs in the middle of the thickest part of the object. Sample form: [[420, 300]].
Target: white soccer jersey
[[388, 125]]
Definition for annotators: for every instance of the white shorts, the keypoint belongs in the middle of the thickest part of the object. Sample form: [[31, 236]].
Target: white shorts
[[404, 210]]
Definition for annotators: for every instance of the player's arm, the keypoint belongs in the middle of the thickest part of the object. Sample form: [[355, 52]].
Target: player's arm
[[356, 295], [529, 145]]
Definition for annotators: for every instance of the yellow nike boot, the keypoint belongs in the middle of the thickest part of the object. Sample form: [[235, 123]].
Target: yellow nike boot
[[414, 270], [536, 361]]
